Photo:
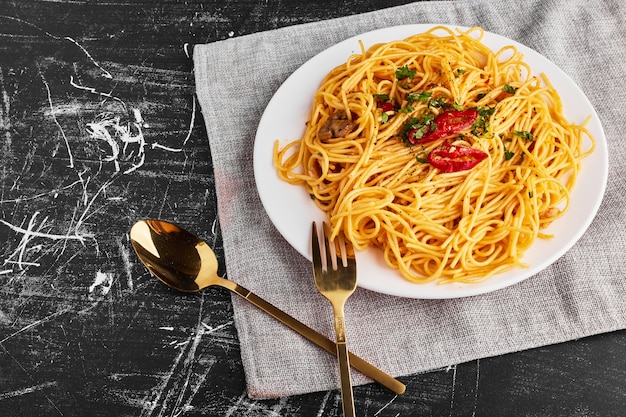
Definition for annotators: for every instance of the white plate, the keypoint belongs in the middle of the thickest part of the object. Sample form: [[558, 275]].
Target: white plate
[[291, 209]]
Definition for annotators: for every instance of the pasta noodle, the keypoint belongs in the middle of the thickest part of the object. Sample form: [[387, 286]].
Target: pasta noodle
[[379, 158]]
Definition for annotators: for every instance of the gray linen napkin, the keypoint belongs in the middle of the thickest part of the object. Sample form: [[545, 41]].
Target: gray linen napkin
[[579, 295]]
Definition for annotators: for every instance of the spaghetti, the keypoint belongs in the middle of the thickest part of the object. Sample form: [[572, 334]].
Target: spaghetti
[[449, 157]]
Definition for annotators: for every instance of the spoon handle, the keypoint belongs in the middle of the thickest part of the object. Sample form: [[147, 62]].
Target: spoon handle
[[320, 340]]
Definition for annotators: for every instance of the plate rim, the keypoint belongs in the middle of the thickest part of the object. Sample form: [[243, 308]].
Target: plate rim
[[351, 45]]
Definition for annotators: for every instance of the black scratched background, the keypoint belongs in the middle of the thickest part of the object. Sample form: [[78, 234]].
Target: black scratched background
[[99, 128]]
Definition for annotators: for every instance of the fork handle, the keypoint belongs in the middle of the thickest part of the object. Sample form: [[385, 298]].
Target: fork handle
[[320, 340], [347, 398]]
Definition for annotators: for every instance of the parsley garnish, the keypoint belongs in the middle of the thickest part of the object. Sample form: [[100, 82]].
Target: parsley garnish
[[381, 97], [481, 124], [405, 72], [439, 102], [524, 135], [422, 157], [509, 89], [420, 125], [423, 97], [508, 154]]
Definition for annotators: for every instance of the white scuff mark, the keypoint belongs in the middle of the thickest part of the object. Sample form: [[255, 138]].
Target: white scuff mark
[[211, 329], [128, 264], [34, 324], [186, 49], [28, 390], [321, 411], [30, 232], [103, 282], [6, 271], [54, 193], [453, 389], [168, 328], [476, 387], [192, 122], [107, 74], [109, 129], [386, 405], [5, 111], [96, 92], [139, 118], [52, 113], [242, 399]]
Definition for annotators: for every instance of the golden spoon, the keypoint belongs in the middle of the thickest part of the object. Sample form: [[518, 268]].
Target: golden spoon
[[184, 262]]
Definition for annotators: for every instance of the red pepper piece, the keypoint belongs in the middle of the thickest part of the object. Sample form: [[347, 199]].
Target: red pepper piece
[[456, 158], [386, 106], [446, 124]]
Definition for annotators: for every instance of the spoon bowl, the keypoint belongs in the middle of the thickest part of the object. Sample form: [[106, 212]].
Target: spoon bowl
[[179, 259], [183, 261]]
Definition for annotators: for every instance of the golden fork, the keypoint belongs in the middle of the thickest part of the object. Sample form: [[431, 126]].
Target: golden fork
[[335, 279]]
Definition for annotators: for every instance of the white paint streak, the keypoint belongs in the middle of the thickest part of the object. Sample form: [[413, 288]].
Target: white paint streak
[[118, 136], [128, 264], [5, 111], [210, 329], [235, 406], [96, 92], [476, 387], [103, 282], [67, 38], [321, 411], [28, 234], [34, 324], [52, 113], [27, 390], [386, 405], [107, 74], [191, 125], [454, 367]]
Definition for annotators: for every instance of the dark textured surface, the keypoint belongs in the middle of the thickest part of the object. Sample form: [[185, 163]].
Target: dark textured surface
[[84, 330]]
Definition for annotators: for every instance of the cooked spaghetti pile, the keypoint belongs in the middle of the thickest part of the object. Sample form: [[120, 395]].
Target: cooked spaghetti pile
[[448, 156]]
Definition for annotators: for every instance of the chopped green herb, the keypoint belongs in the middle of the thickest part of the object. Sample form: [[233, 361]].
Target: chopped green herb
[[423, 97], [419, 126], [461, 71], [481, 96], [422, 157], [509, 89], [407, 109], [486, 111], [384, 118], [405, 72], [508, 154], [524, 135], [439, 102], [481, 124], [382, 97]]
